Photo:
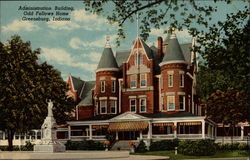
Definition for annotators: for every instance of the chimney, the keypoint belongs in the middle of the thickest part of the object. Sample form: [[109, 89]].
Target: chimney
[[160, 42]]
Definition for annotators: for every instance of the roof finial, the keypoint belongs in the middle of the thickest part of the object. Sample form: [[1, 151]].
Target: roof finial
[[107, 44], [172, 32]]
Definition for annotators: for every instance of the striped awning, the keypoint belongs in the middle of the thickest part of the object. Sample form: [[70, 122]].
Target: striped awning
[[163, 124], [128, 126], [190, 123]]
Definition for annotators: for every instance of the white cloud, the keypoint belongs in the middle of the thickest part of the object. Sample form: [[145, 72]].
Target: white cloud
[[17, 25], [62, 57], [83, 20], [93, 56], [156, 32], [77, 43], [63, 25]]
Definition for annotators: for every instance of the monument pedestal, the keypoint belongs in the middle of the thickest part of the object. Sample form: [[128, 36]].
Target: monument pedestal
[[49, 140], [49, 148]]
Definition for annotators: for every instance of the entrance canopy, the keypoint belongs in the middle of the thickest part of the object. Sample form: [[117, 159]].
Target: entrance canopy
[[128, 126]]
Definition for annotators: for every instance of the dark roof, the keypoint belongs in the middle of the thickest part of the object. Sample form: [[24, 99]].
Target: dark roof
[[186, 50], [122, 56], [77, 84], [107, 59], [157, 60], [174, 52], [86, 93], [149, 52], [164, 115]]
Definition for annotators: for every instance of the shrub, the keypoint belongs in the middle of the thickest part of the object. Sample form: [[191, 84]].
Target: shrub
[[242, 146], [84, 145], [28, 146], [164, 145], [141, 148], [197, 148]]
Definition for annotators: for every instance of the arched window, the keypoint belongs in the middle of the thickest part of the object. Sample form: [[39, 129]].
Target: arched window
[[140, 59]]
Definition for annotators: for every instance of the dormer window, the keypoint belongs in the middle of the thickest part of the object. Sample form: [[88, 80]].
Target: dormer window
[[132, 81]]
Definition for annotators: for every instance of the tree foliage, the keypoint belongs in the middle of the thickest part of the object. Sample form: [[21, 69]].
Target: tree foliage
[[25, 85], [229, 107], [155, 14]]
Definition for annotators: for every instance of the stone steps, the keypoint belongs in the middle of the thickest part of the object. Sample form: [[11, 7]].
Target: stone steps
[[121, 145]]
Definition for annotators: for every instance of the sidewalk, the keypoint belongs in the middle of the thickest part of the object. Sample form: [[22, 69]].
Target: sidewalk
[[77, 155]]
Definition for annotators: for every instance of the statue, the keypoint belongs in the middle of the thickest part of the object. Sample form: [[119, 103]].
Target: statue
[[50, 107]]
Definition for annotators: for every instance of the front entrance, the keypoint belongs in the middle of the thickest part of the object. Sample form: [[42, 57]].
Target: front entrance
[[128, 135]]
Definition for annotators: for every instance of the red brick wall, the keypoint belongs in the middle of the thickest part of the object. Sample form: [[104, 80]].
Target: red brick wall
[[85, 112]]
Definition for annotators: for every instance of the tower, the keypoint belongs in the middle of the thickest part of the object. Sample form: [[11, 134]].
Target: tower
[[106, 90], [173, 75]]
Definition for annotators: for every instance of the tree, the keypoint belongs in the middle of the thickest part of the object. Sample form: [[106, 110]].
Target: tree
[[25, 84], [155, 14]]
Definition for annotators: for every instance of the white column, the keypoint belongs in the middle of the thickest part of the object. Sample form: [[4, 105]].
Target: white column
[[149, 130], [35, 134], [90, 131], [14, 137], [175, 131], [116, 135], [242, 132], [203, 129], [69, 132], [3, 135], [140, 135]]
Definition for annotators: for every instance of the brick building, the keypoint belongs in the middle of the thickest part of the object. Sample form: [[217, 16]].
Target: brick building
[[143, 93]]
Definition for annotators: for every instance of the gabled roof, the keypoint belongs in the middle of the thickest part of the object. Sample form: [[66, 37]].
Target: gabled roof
[[86, 94], [107, 60], [147, 49], [122, 56], [77, 84], [174, 51]]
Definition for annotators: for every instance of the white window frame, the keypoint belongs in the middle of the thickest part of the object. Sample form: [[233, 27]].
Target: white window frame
[[183, 98], [113, 85], [115, 105], [135, 77], [170, 79], [96, 107], [181, 79], [105, 106], [103, 86], [145, 79], [170, 109], [145, 105], [130, 106]]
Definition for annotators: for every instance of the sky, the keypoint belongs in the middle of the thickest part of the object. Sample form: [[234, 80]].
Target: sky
[[75, 47]]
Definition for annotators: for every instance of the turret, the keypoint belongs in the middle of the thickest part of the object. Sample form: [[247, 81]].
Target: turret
[[173, 70], [106, 90]]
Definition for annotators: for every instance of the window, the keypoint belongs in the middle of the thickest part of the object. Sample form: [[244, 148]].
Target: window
[[170, 102], [182, 102], [113, 106], [181, 79], [135, 59], [102, 86], [161, 82], [96, 107], [143, 105], [170, 80], [103, 106], [113, 83], [143, 79], [132, 81], [140, 59], [132, 105], [162, 103]]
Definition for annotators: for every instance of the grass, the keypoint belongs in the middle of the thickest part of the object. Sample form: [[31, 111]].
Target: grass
[[219, 154]]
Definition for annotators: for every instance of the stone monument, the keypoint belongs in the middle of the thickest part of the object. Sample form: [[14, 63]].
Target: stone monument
[[49, 141]]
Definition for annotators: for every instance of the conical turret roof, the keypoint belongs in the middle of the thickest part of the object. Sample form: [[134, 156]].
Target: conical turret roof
[[107, 61], [173, 52]]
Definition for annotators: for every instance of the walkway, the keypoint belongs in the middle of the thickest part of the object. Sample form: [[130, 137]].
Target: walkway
[[77, 155]]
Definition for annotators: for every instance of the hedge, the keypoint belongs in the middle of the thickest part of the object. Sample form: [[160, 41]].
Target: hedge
[[164, 145], [84, 145]]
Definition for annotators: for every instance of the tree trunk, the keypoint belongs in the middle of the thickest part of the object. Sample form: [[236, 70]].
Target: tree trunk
[[10, 139]]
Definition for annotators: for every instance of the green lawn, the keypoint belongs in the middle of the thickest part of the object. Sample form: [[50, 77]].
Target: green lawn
[[219, 154]]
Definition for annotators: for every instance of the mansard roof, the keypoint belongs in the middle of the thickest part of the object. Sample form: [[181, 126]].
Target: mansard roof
[[107, 60], [173, 52]]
